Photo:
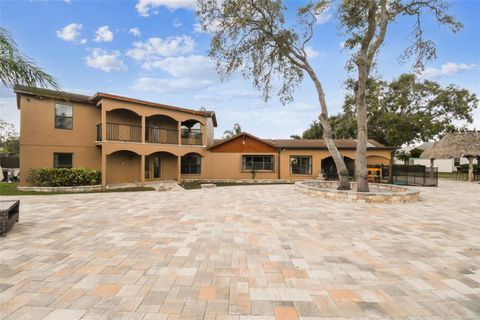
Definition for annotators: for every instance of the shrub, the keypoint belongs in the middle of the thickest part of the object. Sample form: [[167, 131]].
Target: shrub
[[464, 167], [63, 177]]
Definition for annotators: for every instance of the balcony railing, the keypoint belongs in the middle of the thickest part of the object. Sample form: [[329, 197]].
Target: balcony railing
[[121, 132], [192, 137], [161, 135]]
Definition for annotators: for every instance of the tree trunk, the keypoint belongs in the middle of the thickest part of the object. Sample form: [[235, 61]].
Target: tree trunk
[[344, 183], [470, 168], [361, 171]]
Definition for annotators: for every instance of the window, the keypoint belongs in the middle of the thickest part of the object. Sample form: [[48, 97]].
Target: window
[[264, 163], [62, 160], [191, 164], [301, 165], [63, 116]]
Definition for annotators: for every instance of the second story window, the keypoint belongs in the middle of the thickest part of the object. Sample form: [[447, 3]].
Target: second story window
[[63, 116]]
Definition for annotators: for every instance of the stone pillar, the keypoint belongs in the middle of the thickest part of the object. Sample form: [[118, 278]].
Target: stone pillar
[[142, 170], [104, 168], [143, 129]]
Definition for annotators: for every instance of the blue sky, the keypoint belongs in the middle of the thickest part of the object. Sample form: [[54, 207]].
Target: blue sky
[[153, 50]]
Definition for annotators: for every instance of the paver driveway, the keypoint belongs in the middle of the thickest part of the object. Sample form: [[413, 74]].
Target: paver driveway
[[247, 252]]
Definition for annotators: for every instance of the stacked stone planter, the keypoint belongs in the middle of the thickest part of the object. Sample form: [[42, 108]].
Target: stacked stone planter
[[379, 193]]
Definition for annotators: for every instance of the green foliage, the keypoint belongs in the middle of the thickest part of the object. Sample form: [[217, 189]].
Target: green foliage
[[402, 111], [415, 153], [9, 139], [236, 130], [403, 156], [17, 69], [63, 177], [465, 166]]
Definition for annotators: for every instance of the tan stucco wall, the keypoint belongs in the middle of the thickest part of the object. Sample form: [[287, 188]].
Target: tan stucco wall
[[123, 166], [39, 138]]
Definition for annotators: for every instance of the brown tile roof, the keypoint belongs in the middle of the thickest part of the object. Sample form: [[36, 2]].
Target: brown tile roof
[[68, 96], [307, 143]]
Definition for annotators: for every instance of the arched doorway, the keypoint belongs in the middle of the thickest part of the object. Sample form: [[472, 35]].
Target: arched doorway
[[329, 169], [123, 167], [191, 132], [161, 166]]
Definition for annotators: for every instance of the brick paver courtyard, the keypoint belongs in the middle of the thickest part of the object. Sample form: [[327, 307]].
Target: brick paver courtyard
[[247, 252]]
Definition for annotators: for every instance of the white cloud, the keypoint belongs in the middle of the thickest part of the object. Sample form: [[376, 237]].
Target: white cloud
[[144, 6], [192, 66], [135, 32], [104, 60], [169, 85], [83, 41], [103, 34], [155, 48], [177, 23], [213, 27], [312, 53], [446, 70], [324, 16], [67, 1], [69, 32]]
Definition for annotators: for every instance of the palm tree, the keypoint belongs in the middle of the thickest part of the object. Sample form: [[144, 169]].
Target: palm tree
[[236, 130], [17, 69]]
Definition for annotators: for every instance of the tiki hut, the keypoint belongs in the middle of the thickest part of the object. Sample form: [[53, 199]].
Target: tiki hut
[[456, 145]]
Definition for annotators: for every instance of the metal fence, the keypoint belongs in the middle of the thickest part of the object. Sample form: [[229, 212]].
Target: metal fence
[[9, 162], [416, 175]]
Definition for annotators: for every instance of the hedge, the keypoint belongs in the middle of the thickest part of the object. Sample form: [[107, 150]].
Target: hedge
[[63, 177]]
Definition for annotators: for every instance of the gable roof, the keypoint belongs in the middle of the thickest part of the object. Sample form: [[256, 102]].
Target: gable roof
[[219, 142], [68, 96]]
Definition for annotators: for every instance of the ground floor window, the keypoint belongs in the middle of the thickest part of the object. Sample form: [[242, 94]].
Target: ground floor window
[[191, 164], [264, 163], [63, 160], [301, 165]]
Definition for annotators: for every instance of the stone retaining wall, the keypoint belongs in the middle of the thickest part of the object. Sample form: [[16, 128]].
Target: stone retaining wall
[[246, 181], [63, 189], [379, 193]]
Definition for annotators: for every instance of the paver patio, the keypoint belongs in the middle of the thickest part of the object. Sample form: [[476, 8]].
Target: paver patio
[[247, 252]]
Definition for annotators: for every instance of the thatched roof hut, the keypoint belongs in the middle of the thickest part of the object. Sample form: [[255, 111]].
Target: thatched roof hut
[[456, 145]]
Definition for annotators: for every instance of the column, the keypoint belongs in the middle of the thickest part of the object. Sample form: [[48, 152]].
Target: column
[[104, 168], [104, 124], [142, 170], [179, 128], [143, 130], [179, 168]]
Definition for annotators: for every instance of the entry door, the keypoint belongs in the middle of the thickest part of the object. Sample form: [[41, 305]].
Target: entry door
[[156, 167]]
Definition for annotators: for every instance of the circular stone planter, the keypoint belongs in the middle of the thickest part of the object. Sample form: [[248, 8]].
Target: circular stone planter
[[379, 192]]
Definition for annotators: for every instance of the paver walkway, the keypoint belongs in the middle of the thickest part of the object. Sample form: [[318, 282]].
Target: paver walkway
[[247, 252]]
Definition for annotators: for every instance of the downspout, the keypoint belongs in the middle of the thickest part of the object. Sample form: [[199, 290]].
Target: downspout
[[390, 171], [278, 174]]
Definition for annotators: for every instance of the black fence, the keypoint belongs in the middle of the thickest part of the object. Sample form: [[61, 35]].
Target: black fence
[[9, 162], [415, 175]]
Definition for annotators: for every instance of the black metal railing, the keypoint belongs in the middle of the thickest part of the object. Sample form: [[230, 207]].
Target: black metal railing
[[161, 135], [192, 137], [121, 132], [415, 175]]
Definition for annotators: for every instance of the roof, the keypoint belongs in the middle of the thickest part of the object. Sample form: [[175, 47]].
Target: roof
[[305, 143], [454, 145], [218, 142], [68, 96]]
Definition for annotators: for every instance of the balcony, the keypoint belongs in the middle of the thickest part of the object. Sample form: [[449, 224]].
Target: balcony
[[121, 132], [192, 137], [153, 134], [161, 135]]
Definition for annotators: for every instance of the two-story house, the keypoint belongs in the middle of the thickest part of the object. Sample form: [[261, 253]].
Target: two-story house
[[135, 141]]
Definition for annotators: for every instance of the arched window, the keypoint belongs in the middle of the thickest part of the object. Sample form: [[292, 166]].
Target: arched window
[[191, 164]]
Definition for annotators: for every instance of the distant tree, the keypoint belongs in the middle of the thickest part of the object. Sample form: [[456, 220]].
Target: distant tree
[[236, 130], [404, 111], [253, 37], [295, 136], [9, 140], [365, 24], [18, 69], [403, 156], [415, 153]]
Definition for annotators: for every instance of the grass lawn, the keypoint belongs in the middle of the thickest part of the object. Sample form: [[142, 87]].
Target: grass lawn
[[10, 189], [196, 184], [447, 175]]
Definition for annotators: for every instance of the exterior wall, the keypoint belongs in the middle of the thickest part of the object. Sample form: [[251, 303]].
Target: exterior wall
[[40, 139], [123, 167], [209, 132], [244, 144]]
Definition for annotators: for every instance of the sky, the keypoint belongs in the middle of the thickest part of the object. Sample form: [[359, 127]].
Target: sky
[[154, 50]]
